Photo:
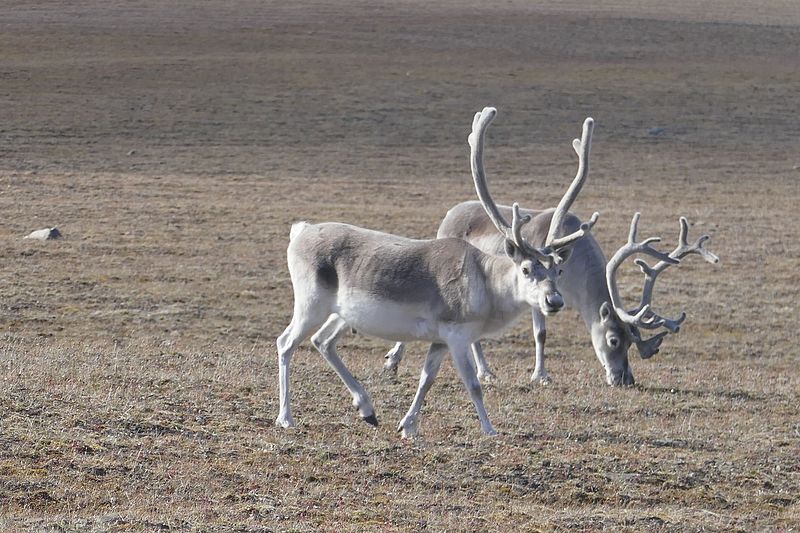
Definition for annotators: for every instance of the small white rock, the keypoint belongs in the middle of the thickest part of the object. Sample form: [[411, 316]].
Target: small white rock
[[46, 234]]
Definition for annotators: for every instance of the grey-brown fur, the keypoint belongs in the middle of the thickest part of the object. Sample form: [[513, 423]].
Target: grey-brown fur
[[437, 272], [553, 236], [583, 281], [468, 221], [445, 291]]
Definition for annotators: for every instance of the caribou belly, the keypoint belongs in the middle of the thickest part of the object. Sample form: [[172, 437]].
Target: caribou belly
[[388, 319]]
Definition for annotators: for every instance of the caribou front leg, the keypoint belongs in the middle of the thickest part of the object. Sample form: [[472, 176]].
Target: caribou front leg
[[539, 336], [324, 341]]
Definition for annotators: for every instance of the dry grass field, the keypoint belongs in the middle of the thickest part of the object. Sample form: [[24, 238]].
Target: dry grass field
[[173, 144]]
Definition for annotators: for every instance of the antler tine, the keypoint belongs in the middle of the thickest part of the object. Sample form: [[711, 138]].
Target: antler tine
[[592, 221], [560, 242], [512, 232], [642, 317], [582, 149], [516, 227], [477, 118], [684, 248]]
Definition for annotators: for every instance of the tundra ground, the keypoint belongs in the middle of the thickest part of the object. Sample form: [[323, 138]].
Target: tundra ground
[[173, 147]]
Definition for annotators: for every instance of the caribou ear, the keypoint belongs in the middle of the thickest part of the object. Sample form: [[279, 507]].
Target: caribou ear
[[563, 255], [511, 248], [605, 312]]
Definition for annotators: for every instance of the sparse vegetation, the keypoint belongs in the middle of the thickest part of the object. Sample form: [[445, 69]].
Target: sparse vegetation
[[173, 148]]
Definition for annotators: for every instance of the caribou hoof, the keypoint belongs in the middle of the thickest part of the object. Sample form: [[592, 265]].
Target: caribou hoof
[[284, 421], [488, 378], [372, 420], [541, 379], [407, 428]]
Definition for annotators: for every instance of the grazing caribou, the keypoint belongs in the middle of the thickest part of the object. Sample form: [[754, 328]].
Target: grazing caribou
[[444, 291], [586, 282]]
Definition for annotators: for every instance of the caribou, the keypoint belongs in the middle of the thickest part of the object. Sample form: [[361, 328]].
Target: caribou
[[586, 281], [443, 291]]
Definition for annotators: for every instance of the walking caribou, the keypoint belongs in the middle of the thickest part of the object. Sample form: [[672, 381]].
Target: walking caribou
[[585, 280], [444, 291]]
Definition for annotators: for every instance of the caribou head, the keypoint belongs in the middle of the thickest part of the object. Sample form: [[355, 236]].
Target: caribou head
[[536, 265], [618, 327]]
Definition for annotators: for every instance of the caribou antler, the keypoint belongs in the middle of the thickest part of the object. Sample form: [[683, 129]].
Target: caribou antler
[[682, 250], [643, 317], [581, 147], [513, 231]]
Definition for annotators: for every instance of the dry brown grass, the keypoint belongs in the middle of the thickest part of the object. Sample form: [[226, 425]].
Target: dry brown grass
[[174, 147]]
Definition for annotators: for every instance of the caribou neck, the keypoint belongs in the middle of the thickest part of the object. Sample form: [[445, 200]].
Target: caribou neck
[[583, 283], [504, 294]]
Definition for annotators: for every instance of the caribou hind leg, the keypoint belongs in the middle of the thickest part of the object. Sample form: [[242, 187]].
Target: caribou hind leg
[[296, 332], [324, 341], [393, 357], [485, 374]]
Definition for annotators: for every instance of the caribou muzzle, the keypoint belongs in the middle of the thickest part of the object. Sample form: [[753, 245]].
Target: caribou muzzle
[[553, 303], [620, 377]]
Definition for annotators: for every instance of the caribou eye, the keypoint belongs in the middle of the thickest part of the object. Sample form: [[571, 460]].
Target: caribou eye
[[526, 271], [613, 342], [560, 271]]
